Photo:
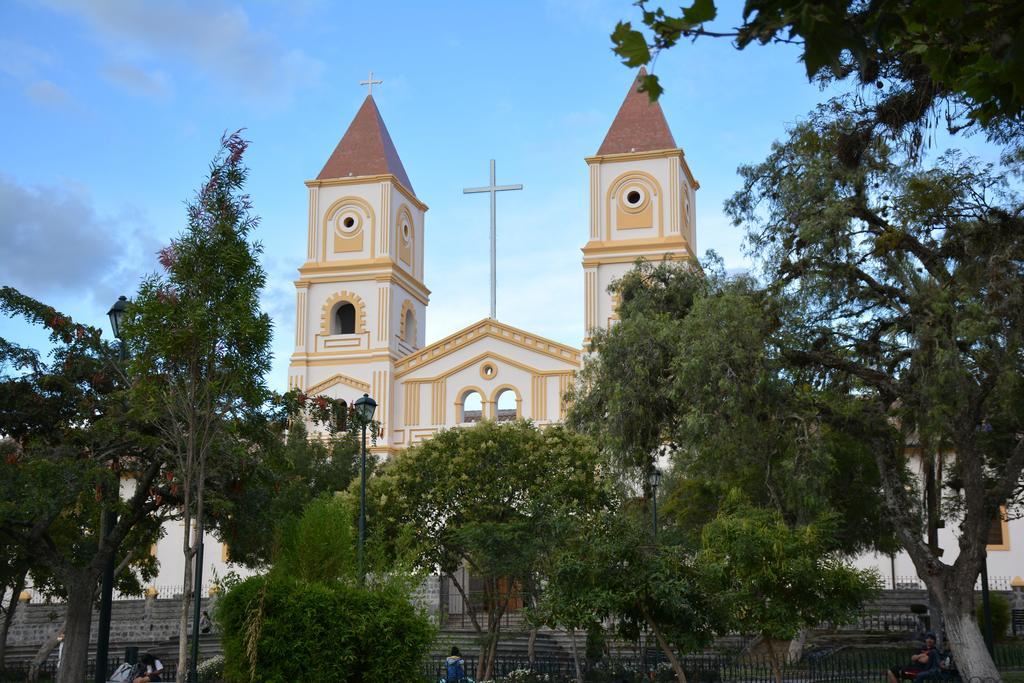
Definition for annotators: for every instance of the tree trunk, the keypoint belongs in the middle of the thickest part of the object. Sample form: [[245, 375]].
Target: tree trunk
[[972, 657], [16, 588], [663, 644], [43, 653], [78, 621], [186, 596], [796, 646], [773, 657], [531, 650], [575, 655]]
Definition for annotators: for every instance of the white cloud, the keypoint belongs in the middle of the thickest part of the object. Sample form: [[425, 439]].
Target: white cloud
[[218, 39], [139, 81], [48, 93], [56, 243]]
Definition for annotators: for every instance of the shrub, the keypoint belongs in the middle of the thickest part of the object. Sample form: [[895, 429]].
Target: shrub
[[277, 629], [1000, 608]]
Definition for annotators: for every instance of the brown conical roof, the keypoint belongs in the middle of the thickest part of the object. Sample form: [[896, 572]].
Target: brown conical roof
[[365, 149], [639, 126]]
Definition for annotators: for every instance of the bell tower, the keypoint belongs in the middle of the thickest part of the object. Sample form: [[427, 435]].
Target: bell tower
[[360, 299], [642, 203]]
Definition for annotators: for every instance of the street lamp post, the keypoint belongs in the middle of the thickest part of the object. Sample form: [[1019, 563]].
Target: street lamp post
[[109, 519], [365, 407], [654, 480]]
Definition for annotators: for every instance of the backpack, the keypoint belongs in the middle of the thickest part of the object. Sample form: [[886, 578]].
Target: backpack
[[454, 669], [122, 674]]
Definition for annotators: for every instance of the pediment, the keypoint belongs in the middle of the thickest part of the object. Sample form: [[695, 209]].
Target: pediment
[[335, 380], [492, 336]]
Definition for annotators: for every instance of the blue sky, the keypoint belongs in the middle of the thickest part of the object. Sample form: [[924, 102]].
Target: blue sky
[[112, 110]]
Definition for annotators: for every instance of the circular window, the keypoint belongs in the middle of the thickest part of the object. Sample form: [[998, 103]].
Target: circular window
[[348, 223], [406, 231], [633, 197], [488, 371]]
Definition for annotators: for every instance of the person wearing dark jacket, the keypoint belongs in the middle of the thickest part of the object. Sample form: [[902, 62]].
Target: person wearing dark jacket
[[922, 665]]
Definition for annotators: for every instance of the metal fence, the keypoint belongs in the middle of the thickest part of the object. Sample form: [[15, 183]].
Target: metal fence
[[842, 666], [16, 672], [995, 583]]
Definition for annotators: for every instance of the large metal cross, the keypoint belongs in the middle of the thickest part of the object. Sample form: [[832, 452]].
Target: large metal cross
[[493, 190], [370, 83]]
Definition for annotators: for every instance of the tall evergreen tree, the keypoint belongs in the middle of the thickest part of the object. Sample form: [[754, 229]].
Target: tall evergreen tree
[[201, 346]]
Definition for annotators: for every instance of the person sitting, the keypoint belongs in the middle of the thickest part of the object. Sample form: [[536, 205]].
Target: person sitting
[[455, 667], [922, 665], [153, 668]]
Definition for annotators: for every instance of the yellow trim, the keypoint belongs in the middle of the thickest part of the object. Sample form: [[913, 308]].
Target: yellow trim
[[336, 379], [460, 401], [327, 311], [404, 334], [380, 269], [539, 398], [1005, 545], [368, 180], [300, 360], [412, 403], [642, 156], [643, 243], [655, 190], [337, 205], [405, 248], [632, 258], [507, 387], [486, 328], [438, 402], [494, 371]]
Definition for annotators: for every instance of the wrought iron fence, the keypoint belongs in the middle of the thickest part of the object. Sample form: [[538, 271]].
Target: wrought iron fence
[[18, 671], [995, 583], [842, 666]]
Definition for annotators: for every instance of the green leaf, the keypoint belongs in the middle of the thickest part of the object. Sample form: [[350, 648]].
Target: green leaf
[[700, 11], [652, 87], [630, 45]]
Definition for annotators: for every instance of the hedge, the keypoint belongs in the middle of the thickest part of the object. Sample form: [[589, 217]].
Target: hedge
[[316, 631]]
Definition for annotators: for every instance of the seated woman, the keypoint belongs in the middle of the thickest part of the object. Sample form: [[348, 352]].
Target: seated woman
[[922, 665], [153, 669]]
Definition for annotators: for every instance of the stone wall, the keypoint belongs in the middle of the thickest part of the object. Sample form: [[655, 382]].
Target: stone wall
[[149, 624]]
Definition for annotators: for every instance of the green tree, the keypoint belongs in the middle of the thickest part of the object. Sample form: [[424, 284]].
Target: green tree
[[275, 482], [777, 579], [70, 433], [605, 566], [200, 346], [687, 369], [914, 53], [483, 498], [908, 285]]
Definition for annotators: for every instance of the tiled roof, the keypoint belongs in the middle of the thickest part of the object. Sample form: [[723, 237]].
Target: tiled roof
[[366, 149], [639, 126]]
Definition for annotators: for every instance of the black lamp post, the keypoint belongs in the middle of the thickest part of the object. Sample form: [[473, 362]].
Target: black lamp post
[[365, 407], [654, 480], [116, 315]]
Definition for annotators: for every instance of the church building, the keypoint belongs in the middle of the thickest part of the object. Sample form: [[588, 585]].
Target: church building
[[362, 298]]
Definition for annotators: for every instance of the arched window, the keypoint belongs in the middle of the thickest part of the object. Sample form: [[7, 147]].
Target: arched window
[[345, 319], [507, 406], [410, 327], [472, 407]]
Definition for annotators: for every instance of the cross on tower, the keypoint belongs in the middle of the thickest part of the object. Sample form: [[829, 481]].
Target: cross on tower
[[369, 83], [493, 190]]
